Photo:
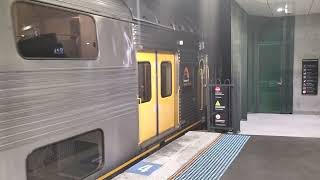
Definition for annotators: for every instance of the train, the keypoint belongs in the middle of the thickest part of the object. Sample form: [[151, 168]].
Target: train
[[88, 85]]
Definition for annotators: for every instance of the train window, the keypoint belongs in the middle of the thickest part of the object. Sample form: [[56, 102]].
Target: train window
[[51, 33], [166, 79], [74, 158], [144, 77]]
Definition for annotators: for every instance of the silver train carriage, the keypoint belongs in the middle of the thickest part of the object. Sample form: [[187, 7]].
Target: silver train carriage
[[70, 75]]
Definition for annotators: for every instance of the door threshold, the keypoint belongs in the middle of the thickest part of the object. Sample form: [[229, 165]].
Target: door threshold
[[158, 138]]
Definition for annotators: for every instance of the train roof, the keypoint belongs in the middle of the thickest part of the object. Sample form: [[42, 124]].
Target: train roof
[[110, 8], [174, 14]]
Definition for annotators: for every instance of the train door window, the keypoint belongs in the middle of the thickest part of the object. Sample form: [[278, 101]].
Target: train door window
[[44, 32], [144, 77], [74, 158], [166, 79]]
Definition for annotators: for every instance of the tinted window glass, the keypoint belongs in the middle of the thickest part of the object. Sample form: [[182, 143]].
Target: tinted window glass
[[166, 79], [75, 158], [144, 81], [46, 32]]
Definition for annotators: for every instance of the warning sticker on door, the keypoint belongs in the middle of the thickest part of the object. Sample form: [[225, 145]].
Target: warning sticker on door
[[219, 106], [187, 77]]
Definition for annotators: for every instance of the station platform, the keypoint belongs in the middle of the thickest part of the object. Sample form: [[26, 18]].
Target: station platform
[[196, 155], [205, 155]]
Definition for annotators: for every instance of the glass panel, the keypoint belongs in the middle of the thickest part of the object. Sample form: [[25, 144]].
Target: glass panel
[[166, 79], [46, 32], [74, 158], [270, 44], [269, 78], [144, 81]]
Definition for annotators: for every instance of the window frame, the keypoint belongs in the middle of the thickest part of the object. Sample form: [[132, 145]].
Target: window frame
[[58, 8], [145, 62], [171, 76], [67, 139]]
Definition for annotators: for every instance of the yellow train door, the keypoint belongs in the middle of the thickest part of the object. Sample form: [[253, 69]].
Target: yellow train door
[[166, 91], [147, 75]]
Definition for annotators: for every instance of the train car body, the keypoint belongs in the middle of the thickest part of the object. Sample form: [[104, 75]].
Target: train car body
[[76, 96]]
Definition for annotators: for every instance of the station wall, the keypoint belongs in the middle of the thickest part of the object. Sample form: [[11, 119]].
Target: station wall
[[307, 39], [239, 60]]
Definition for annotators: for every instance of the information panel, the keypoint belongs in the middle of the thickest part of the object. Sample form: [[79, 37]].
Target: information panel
[[310, 76], [221, 106]]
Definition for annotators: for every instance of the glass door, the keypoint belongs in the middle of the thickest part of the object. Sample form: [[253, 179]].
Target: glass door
[[270, 78]]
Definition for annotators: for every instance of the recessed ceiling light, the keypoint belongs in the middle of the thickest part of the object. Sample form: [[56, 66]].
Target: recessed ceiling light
[[280, 9], [286, 11], [25, 28]]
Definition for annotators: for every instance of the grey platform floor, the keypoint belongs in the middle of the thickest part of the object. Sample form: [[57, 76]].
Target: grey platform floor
[[277, 158], [282, 125]]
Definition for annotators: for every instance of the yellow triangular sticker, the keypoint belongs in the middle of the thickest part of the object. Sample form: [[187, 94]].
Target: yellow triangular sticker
[[218, 104]]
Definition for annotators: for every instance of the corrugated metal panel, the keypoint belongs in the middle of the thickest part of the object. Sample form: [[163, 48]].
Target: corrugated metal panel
[[148, 36], [111, 8], [36, 104], [189, 56], [153, 37], [189, 107], [170, 13], [188, 95]]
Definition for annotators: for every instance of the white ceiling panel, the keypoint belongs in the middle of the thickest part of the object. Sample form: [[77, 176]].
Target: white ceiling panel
[[255, 7], [316, 7], [274, 5], [270, 7], [295, 7]]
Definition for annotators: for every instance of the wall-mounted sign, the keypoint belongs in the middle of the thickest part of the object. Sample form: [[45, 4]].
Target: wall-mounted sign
[[310, 76], [186, 77]]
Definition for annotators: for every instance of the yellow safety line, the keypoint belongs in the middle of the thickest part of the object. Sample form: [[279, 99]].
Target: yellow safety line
[[144, 153], [181, 132]]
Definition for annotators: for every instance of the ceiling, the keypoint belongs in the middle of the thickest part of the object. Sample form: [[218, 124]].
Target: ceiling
[[277, 8]]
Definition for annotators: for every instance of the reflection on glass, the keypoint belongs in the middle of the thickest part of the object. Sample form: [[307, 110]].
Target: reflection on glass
[[71, 159], [46, 32]]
